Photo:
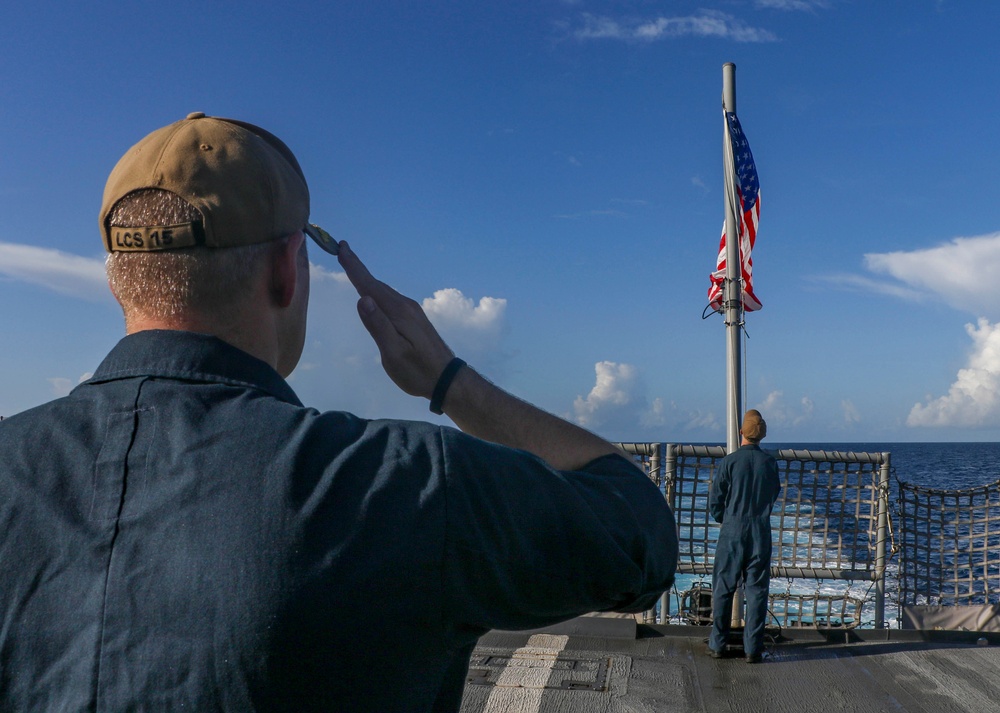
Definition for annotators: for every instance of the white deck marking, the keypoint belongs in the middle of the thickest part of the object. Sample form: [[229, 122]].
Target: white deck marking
[[520, 686]]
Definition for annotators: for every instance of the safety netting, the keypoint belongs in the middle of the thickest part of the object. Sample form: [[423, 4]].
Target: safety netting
[[950, 543]]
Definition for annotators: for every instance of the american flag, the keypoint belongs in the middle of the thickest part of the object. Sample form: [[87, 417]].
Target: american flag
[[748, 190]]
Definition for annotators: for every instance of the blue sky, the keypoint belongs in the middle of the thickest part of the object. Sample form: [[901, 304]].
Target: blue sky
[[546, 177]]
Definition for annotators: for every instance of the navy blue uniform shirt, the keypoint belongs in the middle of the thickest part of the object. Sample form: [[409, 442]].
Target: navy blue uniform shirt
[[744, 491], [746, 485], [181, 533]]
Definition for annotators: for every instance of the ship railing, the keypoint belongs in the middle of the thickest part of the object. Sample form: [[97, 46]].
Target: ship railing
[[949, 569], [831, 528]]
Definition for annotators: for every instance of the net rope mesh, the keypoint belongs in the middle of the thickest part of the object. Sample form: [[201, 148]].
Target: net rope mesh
[[950, 542], [825, 525]]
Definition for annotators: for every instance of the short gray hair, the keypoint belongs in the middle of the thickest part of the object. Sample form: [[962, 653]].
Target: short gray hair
[[170, 283]]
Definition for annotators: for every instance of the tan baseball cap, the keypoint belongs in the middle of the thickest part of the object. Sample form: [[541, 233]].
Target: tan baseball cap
[[243, 180]]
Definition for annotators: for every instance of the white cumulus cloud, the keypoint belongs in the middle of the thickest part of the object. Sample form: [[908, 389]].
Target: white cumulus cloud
[[701, 422], [851, 413], [474, 330], [450, 308], [778, 412], [614, 394], [960, 272], [974, 398], [61, 386], [620, 408], [341, 368], [319, 274]]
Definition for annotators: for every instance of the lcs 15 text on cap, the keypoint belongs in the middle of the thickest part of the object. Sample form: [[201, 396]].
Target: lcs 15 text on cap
[[155, 238]]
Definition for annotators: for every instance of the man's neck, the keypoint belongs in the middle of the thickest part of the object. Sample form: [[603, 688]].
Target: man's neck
[[254, 341]]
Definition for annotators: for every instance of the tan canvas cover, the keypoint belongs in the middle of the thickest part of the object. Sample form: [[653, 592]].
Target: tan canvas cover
[[956, 618]]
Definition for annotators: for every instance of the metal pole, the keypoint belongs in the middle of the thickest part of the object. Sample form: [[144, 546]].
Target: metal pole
[[882, 540], [732, 293], [669, 478], [670, 474], [654, 467]]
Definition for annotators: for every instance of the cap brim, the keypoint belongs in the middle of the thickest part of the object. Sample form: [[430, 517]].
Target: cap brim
[[321, 238]]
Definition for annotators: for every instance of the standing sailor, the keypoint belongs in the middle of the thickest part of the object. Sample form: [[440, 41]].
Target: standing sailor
[[182, 533], [743, 494]]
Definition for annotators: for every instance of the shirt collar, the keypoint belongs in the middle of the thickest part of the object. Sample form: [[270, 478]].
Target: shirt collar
[[190, 356]]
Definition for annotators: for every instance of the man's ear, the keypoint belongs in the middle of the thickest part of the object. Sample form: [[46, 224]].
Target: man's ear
[[285, 269]]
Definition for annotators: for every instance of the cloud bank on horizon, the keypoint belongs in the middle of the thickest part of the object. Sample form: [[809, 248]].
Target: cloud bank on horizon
[[974, 398], [959, 273], [619, 408]]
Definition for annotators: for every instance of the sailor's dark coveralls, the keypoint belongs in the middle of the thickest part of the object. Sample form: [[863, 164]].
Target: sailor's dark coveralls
[[745, 488], [180, 533]]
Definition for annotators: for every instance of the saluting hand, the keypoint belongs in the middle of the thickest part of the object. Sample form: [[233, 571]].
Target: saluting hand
[[413, 353]]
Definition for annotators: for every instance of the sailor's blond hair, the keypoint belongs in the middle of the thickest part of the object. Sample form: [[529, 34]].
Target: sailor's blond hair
[[169, 283]]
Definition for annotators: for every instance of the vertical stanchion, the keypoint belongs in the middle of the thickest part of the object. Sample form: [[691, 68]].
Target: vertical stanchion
[[670, 474], [881, 541], [669, 479]]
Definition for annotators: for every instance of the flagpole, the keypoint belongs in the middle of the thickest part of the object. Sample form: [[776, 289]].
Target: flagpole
[[732, 293]]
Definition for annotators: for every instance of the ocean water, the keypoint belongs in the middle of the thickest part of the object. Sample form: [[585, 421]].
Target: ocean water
[[948, 466]]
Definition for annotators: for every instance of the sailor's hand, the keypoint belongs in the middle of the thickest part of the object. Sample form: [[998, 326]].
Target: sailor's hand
[[413, 353]]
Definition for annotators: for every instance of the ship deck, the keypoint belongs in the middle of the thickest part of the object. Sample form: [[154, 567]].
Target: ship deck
[[614, 665]]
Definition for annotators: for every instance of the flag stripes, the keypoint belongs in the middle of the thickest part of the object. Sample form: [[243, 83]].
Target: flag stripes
[[744, 178]]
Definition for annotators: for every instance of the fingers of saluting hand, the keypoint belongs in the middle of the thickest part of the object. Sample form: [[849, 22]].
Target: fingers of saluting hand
[[413, 353], [400, 309], [358, 274]]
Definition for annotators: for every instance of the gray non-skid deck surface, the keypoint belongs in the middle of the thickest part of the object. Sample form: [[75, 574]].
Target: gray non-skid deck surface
[[553, 672]]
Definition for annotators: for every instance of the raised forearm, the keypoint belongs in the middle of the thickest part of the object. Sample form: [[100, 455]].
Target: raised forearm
[[414, 356]]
